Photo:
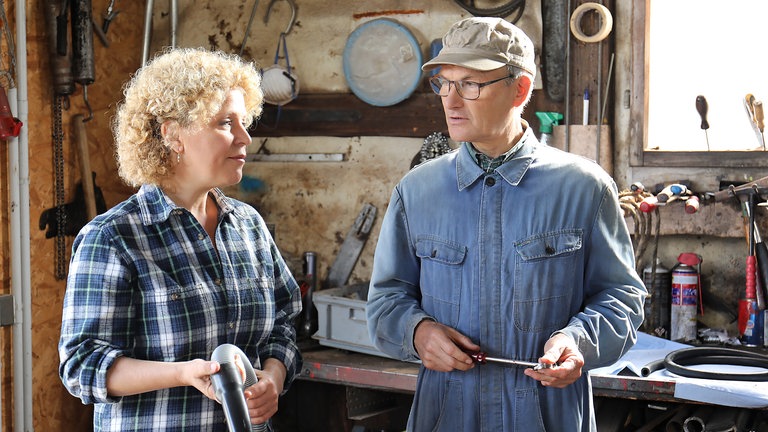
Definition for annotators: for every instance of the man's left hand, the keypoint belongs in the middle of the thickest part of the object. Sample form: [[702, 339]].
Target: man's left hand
[[561, 352]]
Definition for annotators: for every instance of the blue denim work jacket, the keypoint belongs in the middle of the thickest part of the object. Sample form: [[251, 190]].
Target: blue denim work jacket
[[507, 258]]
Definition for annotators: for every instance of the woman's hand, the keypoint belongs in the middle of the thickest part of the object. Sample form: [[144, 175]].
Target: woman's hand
[[197, 373], [262, 397]]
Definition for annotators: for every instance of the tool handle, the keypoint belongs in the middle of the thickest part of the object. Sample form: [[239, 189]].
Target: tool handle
[[478, 357], [759, 115], [78, 128], [702, 108], [750, 288], [648, 204], [692, 205], [761, 252]]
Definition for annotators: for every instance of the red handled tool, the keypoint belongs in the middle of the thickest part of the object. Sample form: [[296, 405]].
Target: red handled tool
[[649, 204]]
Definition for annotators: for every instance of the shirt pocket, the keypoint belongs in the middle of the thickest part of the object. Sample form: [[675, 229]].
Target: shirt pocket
[[547, 275], [176, 312], [442, 262]]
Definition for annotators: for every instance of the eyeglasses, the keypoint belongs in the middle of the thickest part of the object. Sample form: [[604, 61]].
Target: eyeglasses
[[469, 90]]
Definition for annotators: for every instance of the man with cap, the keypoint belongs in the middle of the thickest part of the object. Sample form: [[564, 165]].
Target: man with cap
[[504, 246]]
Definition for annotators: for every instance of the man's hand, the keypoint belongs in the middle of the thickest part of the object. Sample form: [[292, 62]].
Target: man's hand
[[561, 352], [441, 348]]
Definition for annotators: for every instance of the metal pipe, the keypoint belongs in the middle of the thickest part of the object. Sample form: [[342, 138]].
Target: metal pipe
[[567, 114], [248, 28], [147, 31], [20, 240], [599, 97], [174, 21], [16, 286]]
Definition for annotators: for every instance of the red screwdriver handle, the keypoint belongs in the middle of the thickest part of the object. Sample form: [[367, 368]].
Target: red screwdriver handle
[[478, 356]]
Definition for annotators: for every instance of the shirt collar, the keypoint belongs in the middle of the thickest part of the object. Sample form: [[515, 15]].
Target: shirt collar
[[155, 206]]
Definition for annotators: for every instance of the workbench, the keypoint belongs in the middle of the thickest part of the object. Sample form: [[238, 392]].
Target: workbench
[[345, 391], [334, 366]]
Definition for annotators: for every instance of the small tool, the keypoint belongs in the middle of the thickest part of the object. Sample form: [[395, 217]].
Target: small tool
[[702, 108], [756, 116], [480, 357], [671, 192], [759, 121], [108, 16], [649, 204]]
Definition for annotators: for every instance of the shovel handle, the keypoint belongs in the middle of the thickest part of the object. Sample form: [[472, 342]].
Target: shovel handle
[[78, 128]]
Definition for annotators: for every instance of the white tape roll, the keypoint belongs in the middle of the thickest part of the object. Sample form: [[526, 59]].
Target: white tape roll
[[606, 22]]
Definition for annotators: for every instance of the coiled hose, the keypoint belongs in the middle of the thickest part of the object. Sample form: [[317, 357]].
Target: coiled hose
[[677, 362], [499, 11]]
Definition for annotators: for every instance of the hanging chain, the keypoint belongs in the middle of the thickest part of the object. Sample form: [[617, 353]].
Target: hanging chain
[[58, 170]]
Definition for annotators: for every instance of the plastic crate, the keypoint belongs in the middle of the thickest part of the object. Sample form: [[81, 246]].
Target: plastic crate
[[341, 321]]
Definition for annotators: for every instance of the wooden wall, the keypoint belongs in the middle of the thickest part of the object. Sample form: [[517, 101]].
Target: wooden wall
[[54, 408]]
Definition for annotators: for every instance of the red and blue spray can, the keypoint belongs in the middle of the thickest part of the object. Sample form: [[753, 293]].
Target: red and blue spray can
[[686, 295]]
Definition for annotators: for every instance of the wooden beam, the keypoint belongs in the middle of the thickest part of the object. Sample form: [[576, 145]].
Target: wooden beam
[[345, 115]]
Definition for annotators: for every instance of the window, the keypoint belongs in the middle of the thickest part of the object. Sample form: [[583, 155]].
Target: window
[[699, 47]]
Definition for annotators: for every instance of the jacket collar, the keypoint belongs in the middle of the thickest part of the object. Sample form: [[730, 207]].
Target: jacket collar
[[512, 171]]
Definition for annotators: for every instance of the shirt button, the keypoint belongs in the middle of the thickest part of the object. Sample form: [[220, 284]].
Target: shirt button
[[200, 236], [217, 282], [490, 181], [231, 325]]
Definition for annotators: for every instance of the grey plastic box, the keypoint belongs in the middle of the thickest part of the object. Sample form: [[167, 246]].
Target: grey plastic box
[[341, 319]]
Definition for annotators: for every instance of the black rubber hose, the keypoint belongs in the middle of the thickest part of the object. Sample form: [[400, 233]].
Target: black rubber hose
[[500, 11], [677, 362]]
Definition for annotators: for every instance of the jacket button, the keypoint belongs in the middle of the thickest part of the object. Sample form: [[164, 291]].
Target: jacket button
[[490, 181], [549, 250], [434, 253]]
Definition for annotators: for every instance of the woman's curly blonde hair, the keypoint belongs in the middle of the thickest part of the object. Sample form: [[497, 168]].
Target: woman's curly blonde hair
[[186, 85]]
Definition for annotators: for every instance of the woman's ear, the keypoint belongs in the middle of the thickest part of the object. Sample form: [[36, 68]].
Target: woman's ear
[[170, 131]]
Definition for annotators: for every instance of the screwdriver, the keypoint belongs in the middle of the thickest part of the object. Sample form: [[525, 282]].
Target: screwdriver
[[702, 107], [759, 117], [480, 357]]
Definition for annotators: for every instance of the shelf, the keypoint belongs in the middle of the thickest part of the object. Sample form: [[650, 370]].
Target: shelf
[[344, 115]]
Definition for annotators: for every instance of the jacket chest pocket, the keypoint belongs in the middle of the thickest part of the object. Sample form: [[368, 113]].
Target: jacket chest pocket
[[548, 273], [442, 262]]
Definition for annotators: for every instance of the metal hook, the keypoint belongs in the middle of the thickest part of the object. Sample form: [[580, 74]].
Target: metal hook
[[87, 104], [293, 15]]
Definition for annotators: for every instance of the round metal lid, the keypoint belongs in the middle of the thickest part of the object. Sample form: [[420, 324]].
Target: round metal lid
[[382, 62]]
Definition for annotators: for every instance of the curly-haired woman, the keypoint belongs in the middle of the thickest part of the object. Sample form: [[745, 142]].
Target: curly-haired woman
[[159, 281]]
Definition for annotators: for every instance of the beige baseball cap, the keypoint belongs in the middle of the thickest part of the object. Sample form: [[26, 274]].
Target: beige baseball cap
[[485, 43]]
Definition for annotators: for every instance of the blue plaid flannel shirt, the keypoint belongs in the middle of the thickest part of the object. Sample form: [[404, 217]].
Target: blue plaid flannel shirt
[[146, 282]]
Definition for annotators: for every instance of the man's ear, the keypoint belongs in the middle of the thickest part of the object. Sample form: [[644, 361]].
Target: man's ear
[[524, 86]]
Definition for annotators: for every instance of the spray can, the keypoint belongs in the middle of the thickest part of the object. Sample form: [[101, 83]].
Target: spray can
[[685, 299], [658, 281]]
